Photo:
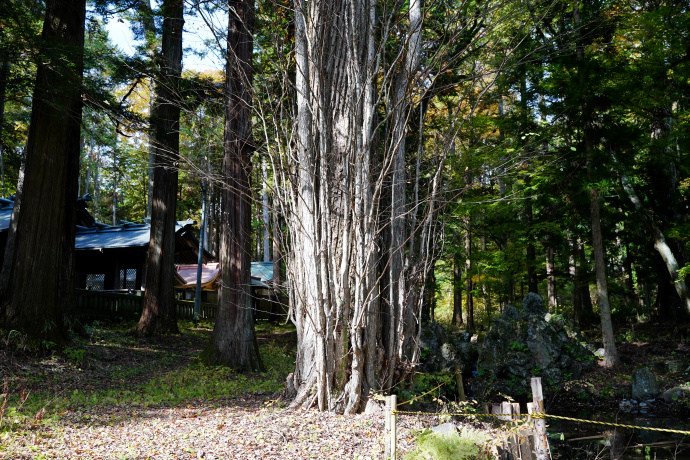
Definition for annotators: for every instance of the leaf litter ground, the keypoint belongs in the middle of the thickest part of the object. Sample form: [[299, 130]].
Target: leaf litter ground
[[115, 362]]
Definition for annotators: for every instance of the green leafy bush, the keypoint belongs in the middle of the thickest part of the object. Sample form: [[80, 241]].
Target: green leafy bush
[[467, 445]]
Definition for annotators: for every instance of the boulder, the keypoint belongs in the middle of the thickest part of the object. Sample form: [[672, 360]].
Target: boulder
[[523, 343], [441, 351], [676, 393], [445, 428], [644, 384]]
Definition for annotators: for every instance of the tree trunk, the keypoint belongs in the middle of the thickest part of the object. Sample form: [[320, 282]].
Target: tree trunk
[[402, 309], [469, 304], [664, 250], [160, 313], [234, 342], [4, 73], [531, 256], [611, 354], [148, 24], [37, 279], [551, 279], [573, 270], [265, 212], [457, 290], [334, 298]]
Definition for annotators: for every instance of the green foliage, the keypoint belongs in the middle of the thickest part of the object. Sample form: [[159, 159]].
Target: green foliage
[[469, 444], [423, 383], [520, 347], [76, 355]]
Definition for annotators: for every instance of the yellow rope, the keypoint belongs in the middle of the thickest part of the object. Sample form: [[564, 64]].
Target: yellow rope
[[664, 430], [463, 414], [416, 398], [542, 415]]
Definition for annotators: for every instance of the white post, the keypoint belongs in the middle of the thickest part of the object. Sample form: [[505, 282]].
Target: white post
[[540, 440], [394, 432], [387, 420]]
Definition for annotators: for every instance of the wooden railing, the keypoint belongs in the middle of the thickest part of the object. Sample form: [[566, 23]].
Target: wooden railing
[[185, 310], [116, 305]]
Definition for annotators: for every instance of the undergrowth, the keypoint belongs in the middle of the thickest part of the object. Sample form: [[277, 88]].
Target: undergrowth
[[21, 408], [468, 444]]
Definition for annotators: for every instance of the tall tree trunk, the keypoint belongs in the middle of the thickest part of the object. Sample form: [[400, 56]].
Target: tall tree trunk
[[160, 312], [457, 289], [148, 24], [265, 212], [551, 279], [334, 301], [469, 304], [531, 256], [573, 270], [611, 354], [403, 311], [661, 246], [234, 342], [4, 73], [37, 279]]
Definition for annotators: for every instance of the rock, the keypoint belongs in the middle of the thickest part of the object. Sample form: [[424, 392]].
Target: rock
[[556, 320], [675, 366], [675, 393], [464, 337], [533, 304], [444, 352], [290, 390], [644, 384], [445, 428], [509, 313], [520, 344], [373, 407]]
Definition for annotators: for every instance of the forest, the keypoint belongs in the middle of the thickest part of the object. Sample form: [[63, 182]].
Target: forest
[[399, 161]]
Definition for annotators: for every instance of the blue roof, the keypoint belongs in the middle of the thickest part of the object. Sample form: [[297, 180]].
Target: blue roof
[[5, 216], [262, 273], [122, 236]]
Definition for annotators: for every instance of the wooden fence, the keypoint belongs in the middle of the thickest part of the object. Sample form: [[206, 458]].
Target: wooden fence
[[121, 306]]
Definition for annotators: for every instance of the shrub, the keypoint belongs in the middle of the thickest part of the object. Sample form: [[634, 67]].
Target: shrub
[[449, 446]]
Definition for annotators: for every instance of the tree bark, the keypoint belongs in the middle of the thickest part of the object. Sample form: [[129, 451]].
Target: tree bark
[[551, 279], [334, 296], [4, 73], [611, 354], [660, 245], [531, 257], [160, 312], [234, 341], [37, 279], [469, 304], [457, 290], [402, 309]]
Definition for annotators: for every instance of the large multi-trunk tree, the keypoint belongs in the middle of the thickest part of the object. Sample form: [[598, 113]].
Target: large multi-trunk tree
[[37, 280], [233, 342], [331, 263], [159, 313], [361, 196]]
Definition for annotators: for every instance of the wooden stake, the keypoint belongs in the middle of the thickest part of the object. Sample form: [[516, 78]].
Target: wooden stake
[[387, 421], [541, 442], [459, 384], [394, 430]]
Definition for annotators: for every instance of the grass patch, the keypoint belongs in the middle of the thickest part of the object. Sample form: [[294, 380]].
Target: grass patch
[[466, 445], [115, 368]]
